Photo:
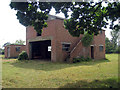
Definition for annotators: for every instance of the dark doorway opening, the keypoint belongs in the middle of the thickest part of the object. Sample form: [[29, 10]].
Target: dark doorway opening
[[41, 50], [92, 52]]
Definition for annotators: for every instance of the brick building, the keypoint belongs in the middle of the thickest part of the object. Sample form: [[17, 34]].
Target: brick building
[[56, 44], [12, 51]]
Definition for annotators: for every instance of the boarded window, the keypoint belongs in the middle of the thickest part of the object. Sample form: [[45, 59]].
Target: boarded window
[[100, 48], [65, 47], [17, 49]]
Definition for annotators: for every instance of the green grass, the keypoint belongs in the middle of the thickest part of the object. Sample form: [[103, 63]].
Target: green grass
[[1, 56], [43, 74]]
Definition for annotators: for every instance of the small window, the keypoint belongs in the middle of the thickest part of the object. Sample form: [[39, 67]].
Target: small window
[[17, 49], [49, 48], [100, 48], [38, 34], [65, 47]]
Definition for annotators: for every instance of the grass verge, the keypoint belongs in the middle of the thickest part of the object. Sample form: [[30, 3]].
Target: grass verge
[[43, 74]]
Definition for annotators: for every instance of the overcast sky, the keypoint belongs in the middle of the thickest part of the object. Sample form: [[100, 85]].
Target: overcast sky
[[10, 28]]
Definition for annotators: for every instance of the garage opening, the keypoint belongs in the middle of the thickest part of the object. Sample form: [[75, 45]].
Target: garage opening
[[41, 50]]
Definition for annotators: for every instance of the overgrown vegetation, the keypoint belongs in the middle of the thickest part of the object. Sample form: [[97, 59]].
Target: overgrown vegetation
[[81, 59], [23, 56], [19, 42], [87, 39], [44, 74]]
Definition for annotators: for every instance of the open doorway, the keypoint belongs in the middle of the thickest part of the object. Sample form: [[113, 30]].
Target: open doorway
[[41, 50], [92, 52]]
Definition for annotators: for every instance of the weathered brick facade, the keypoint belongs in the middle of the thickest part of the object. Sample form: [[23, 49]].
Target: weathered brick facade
[[12, 51], [58, 36]]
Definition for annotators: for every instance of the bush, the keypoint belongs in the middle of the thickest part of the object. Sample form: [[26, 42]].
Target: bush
[[88, 59], [23, 56], [80, 59], [75, 60]]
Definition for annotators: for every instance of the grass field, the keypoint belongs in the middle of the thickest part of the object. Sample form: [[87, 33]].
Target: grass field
[[42, 74], [1, 56]]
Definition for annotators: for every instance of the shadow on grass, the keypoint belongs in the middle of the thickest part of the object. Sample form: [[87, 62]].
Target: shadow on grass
[[108, 83], [49, 66]]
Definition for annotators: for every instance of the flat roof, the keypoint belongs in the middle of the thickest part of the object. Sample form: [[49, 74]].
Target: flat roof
[[14, 45]]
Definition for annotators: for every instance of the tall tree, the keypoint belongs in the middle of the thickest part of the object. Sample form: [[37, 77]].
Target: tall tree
[[85, 16], [114, 39], [108, 46]]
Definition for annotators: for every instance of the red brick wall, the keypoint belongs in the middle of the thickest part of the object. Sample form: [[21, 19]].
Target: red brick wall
[[63, 36], [99, 40], [5, 52], [30, 33], [86, 51], [60, 34], [13, 52], [80, 50], [49, 31]]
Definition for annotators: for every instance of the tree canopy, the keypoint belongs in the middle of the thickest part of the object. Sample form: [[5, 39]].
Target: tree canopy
[[112, 45], [114, 39], [19, 42], [7, 43], [85, 16]]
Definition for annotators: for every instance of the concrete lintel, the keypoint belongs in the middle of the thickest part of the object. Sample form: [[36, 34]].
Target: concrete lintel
[[65, 43], [40, 38]]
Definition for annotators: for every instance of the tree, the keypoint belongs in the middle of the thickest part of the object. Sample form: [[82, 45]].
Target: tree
[[108, 46], [85, 16], [8, 43], [111, 45], [19, 42], [0, 50], [114, 39], [87, 39]]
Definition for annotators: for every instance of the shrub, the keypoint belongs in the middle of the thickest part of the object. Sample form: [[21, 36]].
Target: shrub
[[88, 59], [81, 59], [75, 60], [23, 56]]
